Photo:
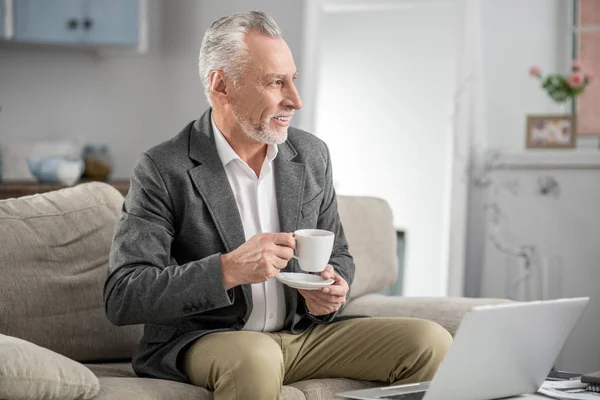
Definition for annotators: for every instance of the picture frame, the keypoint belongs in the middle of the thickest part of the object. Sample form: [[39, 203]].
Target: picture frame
[[551, 131]]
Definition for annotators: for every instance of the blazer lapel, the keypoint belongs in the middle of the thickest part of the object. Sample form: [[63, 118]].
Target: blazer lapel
[[211, 181], [289, 188]]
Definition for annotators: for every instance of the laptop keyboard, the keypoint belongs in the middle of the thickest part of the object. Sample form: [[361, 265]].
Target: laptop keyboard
[[405, 396]]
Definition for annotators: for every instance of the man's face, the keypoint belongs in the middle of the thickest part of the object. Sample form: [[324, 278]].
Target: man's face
[[265, 99]]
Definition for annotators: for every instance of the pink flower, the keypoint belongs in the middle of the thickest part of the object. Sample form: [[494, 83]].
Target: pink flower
[[576, 80], [535, 71], [576, 65]]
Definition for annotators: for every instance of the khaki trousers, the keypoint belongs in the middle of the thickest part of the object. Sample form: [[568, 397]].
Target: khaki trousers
[[254, 365]]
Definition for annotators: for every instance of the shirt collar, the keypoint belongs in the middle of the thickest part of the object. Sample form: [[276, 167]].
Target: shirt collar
[[226, 152]]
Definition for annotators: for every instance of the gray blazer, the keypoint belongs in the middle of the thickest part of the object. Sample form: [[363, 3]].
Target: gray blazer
[[179, 216]]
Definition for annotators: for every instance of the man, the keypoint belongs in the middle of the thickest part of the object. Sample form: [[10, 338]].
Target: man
[[206, 228]]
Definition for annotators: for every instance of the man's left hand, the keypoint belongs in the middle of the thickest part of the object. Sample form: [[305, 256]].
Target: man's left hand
[[328, 299]]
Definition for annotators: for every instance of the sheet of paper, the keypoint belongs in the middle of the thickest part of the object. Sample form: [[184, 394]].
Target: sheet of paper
[[568, 390]]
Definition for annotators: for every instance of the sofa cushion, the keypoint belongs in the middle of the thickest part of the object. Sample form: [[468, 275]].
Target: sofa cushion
[[154, 388], [53, 261], [369, 229], [30, 372], [113, 370], [446, 311], [325, 389], [157, 389]]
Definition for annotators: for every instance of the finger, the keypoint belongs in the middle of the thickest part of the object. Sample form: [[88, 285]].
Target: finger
[[328, 272], [335, 290], [338, 280], [316, 297], [283, 252], [320, 309], [284, 239], [279, 263], [318, 312], [322, 298], [308, 294], [317, 308]]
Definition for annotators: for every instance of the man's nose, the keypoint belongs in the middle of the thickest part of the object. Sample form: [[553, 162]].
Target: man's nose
[[292, 97]]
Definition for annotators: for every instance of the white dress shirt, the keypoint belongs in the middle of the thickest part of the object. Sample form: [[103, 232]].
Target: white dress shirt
[[257, 204]]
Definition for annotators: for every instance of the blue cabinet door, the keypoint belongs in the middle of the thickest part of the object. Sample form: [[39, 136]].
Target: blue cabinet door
[[46, 21], [111, 22]]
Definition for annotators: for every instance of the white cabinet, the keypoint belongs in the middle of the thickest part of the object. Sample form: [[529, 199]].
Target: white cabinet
[[547, 205]]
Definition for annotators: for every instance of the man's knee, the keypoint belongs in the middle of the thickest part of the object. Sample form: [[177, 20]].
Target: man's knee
[[430, 343], [257, 368], [421, 347], [257, 364], [432, 339], [250, 361]]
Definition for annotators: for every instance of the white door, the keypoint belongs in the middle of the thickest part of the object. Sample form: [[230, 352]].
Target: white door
[[383, 102]]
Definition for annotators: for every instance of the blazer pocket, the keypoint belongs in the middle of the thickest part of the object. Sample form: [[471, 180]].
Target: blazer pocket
[[310, 206]]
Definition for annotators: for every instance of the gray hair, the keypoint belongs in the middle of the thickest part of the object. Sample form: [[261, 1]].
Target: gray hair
[[223, 47]]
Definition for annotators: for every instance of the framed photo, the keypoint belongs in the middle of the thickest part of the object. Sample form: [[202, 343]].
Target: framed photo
[[551, 131]]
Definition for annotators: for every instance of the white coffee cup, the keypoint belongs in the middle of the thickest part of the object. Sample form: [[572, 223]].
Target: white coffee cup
[[313, 248]]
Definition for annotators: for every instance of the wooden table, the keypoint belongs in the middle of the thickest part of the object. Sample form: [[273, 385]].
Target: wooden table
[[17, 189]]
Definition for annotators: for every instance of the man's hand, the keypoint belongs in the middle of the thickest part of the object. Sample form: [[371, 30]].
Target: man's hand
[[328, 299], [257, 260]]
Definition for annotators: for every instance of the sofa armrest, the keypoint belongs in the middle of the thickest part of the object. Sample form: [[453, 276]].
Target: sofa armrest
[[446, 311]]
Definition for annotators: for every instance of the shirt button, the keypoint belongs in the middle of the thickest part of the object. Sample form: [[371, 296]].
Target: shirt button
[[271, 315]]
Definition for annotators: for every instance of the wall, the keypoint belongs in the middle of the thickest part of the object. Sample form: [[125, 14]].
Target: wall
[[113, 96], [185, 23], [515, 35], [388, 136], [122, 98]]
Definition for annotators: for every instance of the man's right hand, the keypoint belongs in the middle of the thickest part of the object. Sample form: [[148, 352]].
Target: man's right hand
[[257, 260]]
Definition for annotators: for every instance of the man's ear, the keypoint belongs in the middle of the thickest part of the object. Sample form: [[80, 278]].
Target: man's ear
[[218, 86]]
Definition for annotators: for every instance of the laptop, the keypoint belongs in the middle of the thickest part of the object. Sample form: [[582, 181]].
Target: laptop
[[498, 351]]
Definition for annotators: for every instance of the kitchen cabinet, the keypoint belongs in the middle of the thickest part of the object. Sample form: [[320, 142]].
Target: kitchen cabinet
[[114, 22], [81, 22]]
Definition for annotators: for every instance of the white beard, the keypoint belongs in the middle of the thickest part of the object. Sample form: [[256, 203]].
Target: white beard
[[263, 132]]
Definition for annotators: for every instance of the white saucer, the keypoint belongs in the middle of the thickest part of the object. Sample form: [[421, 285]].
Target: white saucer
[[303, 281]]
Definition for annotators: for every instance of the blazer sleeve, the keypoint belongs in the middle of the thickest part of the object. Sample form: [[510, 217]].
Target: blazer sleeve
[[329, 219], [144, 283]]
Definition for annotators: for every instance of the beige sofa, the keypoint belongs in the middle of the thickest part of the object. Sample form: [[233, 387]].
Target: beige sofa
[[53, 260]]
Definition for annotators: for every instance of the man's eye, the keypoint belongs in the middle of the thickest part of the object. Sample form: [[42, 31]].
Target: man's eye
[[278, 82]]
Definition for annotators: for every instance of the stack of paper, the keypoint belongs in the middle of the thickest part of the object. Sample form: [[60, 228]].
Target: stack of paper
[[569, 390]]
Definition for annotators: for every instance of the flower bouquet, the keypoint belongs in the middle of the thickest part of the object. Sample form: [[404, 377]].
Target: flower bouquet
[[563, 87]]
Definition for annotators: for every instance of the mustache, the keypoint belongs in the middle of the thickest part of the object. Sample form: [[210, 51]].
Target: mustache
[[287, 113]]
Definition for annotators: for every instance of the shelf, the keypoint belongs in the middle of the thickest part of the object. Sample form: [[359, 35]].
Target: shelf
[[547, 159], [17, 189]]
